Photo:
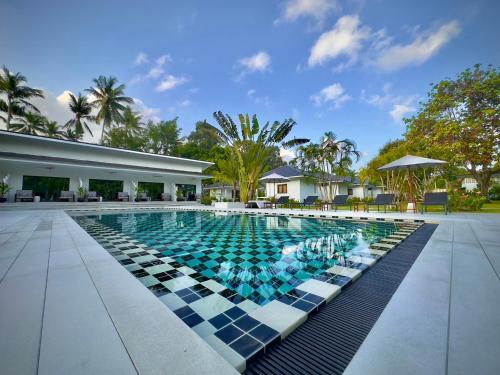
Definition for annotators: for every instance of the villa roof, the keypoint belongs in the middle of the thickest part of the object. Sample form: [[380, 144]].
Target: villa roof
[[290, 171], [99, 148]]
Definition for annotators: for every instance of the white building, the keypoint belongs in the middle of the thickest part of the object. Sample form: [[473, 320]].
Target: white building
[[47, 166], [220, 192], [469, 183], [299, 187]]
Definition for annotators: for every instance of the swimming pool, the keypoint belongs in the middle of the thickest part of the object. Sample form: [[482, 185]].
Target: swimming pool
[[226, 274]]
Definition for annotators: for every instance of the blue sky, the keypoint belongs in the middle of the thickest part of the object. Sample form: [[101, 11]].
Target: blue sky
[[353, 67]]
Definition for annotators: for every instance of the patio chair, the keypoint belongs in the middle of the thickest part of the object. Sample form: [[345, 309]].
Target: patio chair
[[310, 200], [142, 197], [123, 196], [280, 201], [339, 200], [93, 197], [382, 200], [435, 199], [166, 197], [24, 195], [67, 196]]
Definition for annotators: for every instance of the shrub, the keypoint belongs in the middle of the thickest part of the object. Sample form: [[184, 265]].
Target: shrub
[[494, 192], [206, 200], [466, 201]]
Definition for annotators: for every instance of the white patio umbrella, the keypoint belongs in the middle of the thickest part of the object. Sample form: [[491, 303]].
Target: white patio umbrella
[[274, 178], [409, 163]]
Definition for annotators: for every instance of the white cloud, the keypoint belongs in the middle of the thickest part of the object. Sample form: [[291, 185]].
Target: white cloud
[[260, 62], [163, 59], [334, 94], [184, 103], [155, 72], [141, 58], [422, 48], [316, 9], [257, 99], [346, 38], [147, 113], [400, 110], [398, 105], [169, 82], [287, 154]]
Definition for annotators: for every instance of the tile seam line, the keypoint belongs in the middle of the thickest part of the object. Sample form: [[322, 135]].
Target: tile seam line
[[44, 304], [447, 357], [484, 252], [16, 258], [100, 297]]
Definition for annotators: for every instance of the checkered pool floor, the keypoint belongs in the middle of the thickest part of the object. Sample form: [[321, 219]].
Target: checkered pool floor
[[243, 282]]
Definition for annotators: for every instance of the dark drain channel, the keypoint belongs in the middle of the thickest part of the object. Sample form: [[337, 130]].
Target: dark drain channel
[[327, 341]]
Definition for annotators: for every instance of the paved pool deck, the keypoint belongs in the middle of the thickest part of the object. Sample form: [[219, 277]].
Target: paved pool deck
[[66, 306]]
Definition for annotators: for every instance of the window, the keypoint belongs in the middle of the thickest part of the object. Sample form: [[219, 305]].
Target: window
[[282, 188], [153, 189], [47, 188], [349, 191], [186, 192], [107, 189]]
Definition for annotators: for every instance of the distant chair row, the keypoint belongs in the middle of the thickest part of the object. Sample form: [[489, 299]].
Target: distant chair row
[[91, 196], [381, 200]]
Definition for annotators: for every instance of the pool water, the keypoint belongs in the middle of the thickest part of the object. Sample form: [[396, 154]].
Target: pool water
[[257, 258]]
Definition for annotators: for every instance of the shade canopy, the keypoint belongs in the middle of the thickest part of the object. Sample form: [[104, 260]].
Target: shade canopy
[[274, 178], [411, 162]]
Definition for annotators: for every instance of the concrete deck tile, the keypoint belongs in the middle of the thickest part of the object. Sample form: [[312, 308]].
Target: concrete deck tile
[[78, 335], [474, 344], [320, 288], [280, 317]]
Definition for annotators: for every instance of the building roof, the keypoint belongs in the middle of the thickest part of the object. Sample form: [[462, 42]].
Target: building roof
[[290, 171], [99, 148]]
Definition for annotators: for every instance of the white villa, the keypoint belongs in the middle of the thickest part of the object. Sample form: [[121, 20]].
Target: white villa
[[299, 186], [48, 166], [220, 191]]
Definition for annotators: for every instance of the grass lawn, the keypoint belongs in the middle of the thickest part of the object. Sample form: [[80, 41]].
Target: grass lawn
[[492, 207]]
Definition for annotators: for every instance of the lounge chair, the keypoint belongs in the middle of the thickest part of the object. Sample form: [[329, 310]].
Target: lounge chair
[[142, 197], [166, 197], [280, 201], [123, 196], [382, 200], [93, 197], [67, 196], [310, 200], [339, 200], [435, 199], [24, 195]]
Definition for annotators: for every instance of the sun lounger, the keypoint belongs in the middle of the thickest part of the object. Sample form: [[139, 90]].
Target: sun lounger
[[142, 197], [280, 201], [310, 200], [339, 200], [24, 195], [166, 197], [67, 196], [382, 200], [93, 197], [435, 199], [123, 196]]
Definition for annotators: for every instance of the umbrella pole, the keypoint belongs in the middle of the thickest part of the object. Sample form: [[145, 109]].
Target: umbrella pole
[[410, 186]]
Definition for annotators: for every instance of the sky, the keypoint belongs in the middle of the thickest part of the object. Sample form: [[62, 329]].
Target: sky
[[354, 67]]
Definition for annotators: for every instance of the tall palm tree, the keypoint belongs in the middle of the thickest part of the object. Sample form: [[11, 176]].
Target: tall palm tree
[[82, 111], [228, 170], [132, 122], [110, 101], [30, 123], [18, 94], [251, 145], [71, 135], [53, 130]]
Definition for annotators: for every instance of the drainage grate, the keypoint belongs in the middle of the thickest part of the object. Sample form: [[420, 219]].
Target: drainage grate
[[327, 341]]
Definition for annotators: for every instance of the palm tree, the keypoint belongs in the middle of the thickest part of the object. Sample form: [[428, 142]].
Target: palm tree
[[228, 170], [132, 123], [53, 130], [30, 123], [82, 111], [251, 145], [11, 85], [109, 100], [71, 135]]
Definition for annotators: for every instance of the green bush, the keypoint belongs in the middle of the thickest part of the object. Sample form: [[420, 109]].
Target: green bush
[[494, 192], [466, 201], [206, 200]]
